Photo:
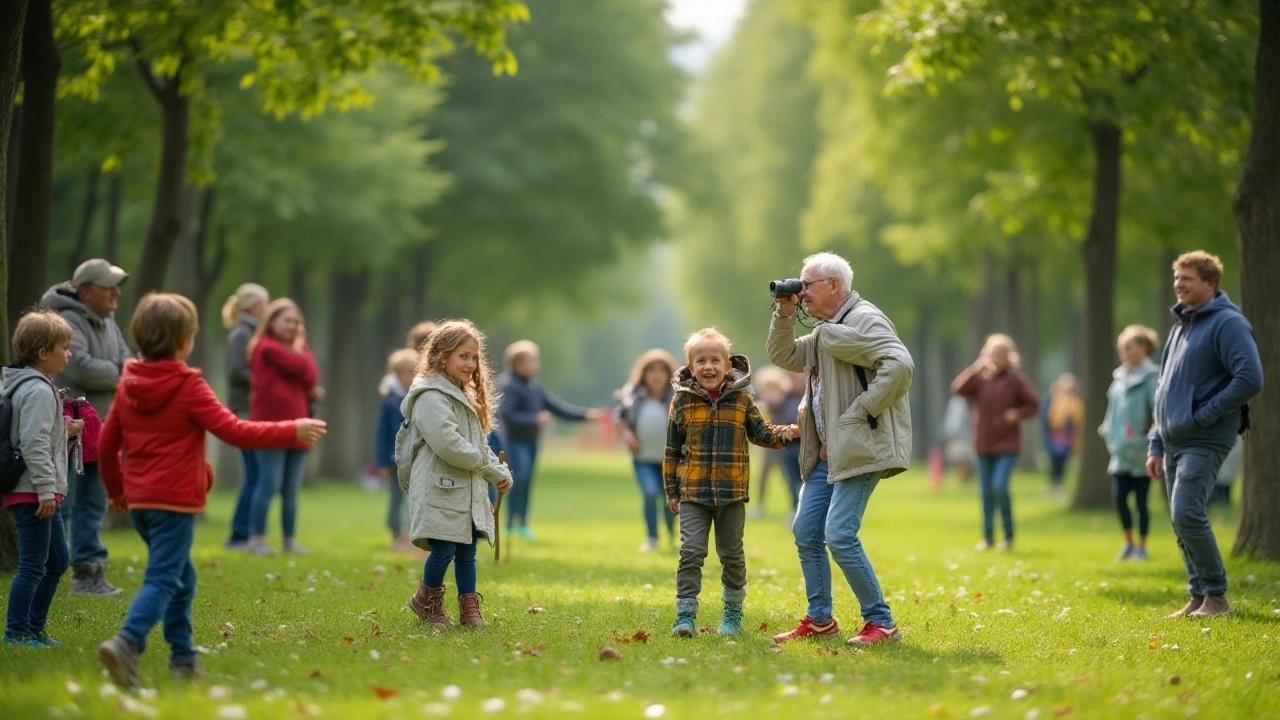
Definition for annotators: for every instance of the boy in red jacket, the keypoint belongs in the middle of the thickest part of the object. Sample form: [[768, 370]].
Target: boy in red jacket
[[152, 459]]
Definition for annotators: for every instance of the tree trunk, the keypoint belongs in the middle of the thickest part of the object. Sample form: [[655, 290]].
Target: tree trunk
[[30, 245], [111, 243], [983, 305], [166, 213], [1257, 210], [13, 14], [87, 213], [340, 453], [13, 114], [300, 285], [1099, 254]]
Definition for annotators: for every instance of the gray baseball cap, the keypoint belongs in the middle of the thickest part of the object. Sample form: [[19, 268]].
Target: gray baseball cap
[[98, 272]]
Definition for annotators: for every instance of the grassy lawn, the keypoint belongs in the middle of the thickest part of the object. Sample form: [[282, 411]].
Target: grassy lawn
[[1055, 628]]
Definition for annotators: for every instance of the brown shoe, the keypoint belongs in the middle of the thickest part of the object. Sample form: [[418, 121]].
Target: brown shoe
[[469, 610], [1192, 605], [1213, 606], [428, 605], [120, 658]]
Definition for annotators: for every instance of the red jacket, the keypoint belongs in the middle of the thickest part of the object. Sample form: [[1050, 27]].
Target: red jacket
[[152, 452], [990, 398], [282, 382]]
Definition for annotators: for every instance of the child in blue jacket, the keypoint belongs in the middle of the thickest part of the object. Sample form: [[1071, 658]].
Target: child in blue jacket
[[400, 365]]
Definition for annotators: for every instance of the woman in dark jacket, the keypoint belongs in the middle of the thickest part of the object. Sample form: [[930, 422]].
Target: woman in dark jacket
[[643, 408], [241, 314]]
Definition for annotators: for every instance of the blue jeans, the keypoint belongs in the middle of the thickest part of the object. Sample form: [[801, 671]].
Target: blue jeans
[[395, 508], [521, 456], [495, 444], [829, 516], [279, 471], [994, 472], [649, 476], [463, 558], [87, 505], [789, 461], [241, 525], [169, 585], [1189, 478], [42, 561]]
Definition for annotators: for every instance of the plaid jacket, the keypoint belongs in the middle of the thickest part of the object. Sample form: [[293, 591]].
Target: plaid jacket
[[706, 460]]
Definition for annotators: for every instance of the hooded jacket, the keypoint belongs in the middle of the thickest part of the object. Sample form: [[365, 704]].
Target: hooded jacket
[[1131, 402], [38, 432], [152, 451], [707, 460], [98, 349], [1208, 371]]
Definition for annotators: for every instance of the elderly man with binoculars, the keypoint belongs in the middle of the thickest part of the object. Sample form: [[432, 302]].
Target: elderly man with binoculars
[[855, 424]]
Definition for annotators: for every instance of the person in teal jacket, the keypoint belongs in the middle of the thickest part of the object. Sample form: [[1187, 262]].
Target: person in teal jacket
[[1130, 407]]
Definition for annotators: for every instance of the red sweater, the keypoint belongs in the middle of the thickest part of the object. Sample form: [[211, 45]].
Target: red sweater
[[991, 397], [152, 449], [282, 382]]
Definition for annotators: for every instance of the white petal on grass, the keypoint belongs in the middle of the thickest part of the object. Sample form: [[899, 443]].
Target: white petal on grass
[[74, 688], [789, 691], [374, 655], [529, 696], [435, 709], [452, 693], [826, 699], [1020, 694], [1032, 714], [655, 711], [494, 705], [108, 690], [232, 712], [982, 711], [827, 679], [258, 685], [218, 693], [148, 693], [784, 678]]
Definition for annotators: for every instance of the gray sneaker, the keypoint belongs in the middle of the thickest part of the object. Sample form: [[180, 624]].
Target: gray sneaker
[[120, 658], [187, 671], [89, 580]]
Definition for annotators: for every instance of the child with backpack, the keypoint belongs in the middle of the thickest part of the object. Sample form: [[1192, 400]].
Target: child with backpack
[[152, 457], [401, 365], [33, 471]]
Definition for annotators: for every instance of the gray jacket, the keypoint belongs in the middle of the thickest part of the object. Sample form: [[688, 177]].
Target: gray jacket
[[98, 349], [451, 465], [239, 382], [38, 431], [863, 336]]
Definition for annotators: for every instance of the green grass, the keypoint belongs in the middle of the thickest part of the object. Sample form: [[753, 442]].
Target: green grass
[[1057, 618]]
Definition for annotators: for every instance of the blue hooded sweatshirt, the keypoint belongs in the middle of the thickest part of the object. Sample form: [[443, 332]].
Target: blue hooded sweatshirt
[[1209, 370]]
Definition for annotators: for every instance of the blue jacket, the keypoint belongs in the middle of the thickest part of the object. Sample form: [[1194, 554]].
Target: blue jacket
[[389, 420], [1130, 403], [522, 400], [1209, 370]]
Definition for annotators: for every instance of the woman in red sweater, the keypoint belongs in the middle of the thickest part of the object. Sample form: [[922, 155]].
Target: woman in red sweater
[[1001, 397], [284, 383]]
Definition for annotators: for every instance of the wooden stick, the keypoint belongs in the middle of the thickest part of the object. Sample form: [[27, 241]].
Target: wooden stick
[[497, 518]]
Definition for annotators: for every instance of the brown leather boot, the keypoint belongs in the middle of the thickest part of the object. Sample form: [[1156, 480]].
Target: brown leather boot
[[1192, 605], [469, 610], [428, 605], [1214, 605]]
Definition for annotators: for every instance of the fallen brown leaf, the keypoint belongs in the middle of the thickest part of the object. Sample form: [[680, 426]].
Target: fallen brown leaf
[[531, 650], [384, 693], [1175, 680], [764, 627], [641, 636], [315, 673], [535, 608], [608, 653], [1063, 710], [704, 629], [348, 640]]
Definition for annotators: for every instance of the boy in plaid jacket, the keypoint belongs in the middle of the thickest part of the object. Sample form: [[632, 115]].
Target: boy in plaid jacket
[[706, 471]]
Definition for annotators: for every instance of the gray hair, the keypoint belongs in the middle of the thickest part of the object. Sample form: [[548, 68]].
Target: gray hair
[[831, 265]]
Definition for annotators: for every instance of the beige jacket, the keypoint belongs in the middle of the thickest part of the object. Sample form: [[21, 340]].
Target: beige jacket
[[863, 336], [452, 465]]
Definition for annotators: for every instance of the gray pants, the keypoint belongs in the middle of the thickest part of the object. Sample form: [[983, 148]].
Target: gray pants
[[1189, 477], [696, 522]]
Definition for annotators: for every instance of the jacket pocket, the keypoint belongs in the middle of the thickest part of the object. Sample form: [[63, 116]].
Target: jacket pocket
[[449, 493], [854, 444], [1179, 406]]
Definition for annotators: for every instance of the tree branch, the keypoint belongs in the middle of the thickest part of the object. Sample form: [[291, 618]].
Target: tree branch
[[144, 68]]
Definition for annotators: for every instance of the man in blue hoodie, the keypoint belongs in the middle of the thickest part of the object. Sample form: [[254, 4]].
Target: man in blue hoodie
[[1209, 370]]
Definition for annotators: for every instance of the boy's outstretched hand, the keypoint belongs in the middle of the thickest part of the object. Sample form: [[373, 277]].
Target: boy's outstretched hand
[[673, 504], [310, 430]]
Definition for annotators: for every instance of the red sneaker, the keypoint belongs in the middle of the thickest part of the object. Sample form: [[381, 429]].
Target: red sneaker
[[872, 634], [807, 629]]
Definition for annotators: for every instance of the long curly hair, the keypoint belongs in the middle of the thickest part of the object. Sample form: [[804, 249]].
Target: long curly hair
[[448, 337], [656, 356]]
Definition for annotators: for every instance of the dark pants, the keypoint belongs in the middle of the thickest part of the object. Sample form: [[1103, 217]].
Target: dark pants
[[696, 523], [789, 461], [463, 558], [87, 504], [1122, 486], [395, 507], [994, 472], [521, 457], [1058, 467], [649, 476], [1189, 478], [280, 471], [169, 585], [42, 561], [241, 520]]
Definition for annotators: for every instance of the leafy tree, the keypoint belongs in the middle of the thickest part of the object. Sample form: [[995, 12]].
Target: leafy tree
[[12, 17]]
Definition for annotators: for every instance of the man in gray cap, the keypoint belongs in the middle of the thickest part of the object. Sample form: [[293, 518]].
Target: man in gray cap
[[98, 354]]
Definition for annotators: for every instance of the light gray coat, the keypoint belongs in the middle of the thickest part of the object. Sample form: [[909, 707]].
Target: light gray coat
[[451, 465], [864, 336], [98, 349], [38, 431]]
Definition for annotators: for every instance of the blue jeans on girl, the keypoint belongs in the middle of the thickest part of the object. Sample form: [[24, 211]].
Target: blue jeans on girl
[[463, 558], [649, 476], [241, 526], [42, 561], [169, 585], [830, 516], [280, 471], [521, 457], [994, 472]]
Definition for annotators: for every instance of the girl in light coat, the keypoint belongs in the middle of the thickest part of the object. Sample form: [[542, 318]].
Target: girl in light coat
[[449, 464]]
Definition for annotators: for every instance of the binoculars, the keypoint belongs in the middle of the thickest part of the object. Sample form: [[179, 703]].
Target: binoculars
[[782, 288]]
